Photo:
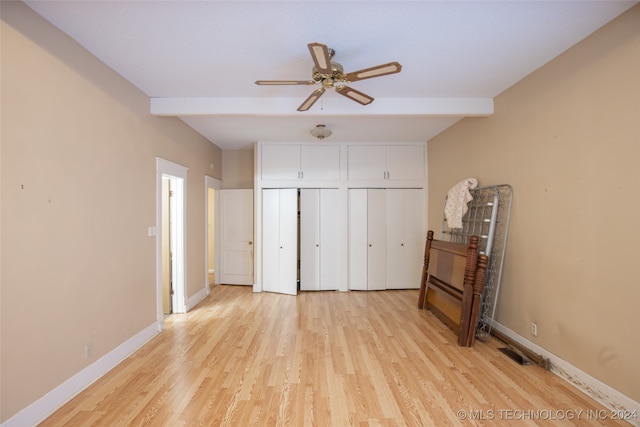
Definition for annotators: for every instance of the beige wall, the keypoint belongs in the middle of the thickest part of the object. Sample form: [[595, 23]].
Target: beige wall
[[78, 178], [567, 138], [238, 172]]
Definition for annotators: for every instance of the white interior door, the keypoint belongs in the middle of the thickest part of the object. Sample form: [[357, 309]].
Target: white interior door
[[236, 240], [280, 240]]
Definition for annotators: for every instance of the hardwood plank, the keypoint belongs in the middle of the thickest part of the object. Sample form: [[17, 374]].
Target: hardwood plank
[[319, 359]]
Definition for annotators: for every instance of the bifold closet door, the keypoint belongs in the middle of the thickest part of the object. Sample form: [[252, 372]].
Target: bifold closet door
[[367, 239], [280, 240], [319, 245], [405, 237]]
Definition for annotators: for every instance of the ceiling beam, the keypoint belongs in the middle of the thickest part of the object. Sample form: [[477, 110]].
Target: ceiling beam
[[429, 107]]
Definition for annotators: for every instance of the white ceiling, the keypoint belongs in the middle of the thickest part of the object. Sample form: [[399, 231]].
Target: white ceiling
[[198, 60]]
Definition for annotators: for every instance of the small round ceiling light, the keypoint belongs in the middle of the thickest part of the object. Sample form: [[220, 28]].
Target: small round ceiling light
[[320, 132]]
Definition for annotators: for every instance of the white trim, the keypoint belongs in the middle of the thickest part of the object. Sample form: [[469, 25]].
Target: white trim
[[592, 387], [179, 172], [197, 298], [50, 402], [428, 107], [216, 185]]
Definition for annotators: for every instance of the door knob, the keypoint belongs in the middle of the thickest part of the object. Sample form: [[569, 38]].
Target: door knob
[[250, 242]]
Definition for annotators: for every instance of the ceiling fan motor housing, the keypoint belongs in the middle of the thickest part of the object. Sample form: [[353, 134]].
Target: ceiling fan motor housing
[[328, 80]]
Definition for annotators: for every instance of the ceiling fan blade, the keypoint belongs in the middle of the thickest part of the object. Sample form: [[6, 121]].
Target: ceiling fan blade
[[354, 95], [321, 57], [377, 71], [311, 99], [285, 82]]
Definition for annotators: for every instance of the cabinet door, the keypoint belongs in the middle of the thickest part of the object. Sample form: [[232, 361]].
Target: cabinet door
[[405, 162], [320, 162], [280, 162], [376, 240], [405, 237], [357, 239], [279, 240], [366, 162]]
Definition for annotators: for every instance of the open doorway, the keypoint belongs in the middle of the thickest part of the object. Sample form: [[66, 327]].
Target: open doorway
[[212, 187], [170, 241]]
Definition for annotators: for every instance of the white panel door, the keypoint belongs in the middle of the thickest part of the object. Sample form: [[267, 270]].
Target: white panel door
[[319, 240], [357, 240], [377, 241], [329, 238], [416, 235], [310, 239], [236, 237], [405, 237], [280, 240]]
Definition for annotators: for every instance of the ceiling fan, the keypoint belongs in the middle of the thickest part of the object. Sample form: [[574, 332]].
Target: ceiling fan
[[330, 74]]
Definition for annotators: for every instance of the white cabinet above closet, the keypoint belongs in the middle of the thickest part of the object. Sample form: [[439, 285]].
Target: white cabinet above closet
[[386, 164], [300, 163]]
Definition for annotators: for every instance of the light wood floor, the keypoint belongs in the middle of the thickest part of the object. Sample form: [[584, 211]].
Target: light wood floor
[[321, 359]]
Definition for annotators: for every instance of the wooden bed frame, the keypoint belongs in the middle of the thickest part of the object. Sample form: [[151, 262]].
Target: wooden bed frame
[[453, 278]]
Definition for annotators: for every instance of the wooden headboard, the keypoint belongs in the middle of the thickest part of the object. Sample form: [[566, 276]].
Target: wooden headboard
[[453, 278]]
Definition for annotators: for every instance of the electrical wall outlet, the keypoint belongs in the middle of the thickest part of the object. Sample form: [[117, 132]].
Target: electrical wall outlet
[[88, 350], [534, 329]]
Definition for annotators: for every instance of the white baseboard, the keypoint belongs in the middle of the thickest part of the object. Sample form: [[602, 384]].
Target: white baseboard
[[592, 387], [197, 298], [49, 403]]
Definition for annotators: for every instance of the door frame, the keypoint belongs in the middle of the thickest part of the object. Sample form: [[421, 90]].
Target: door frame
[[178, 173], [214, 184]]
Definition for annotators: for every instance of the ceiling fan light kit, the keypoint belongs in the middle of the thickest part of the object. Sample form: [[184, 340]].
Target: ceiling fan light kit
[[321, 132], [330, 74]]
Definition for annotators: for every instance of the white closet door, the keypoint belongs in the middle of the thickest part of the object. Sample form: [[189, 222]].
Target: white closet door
[[405, 234], [270, 240], [329, 238], [280, 246], [415, 237], [377, 241], [310, 239], [319, 239], [396, 226], [357, 239]]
